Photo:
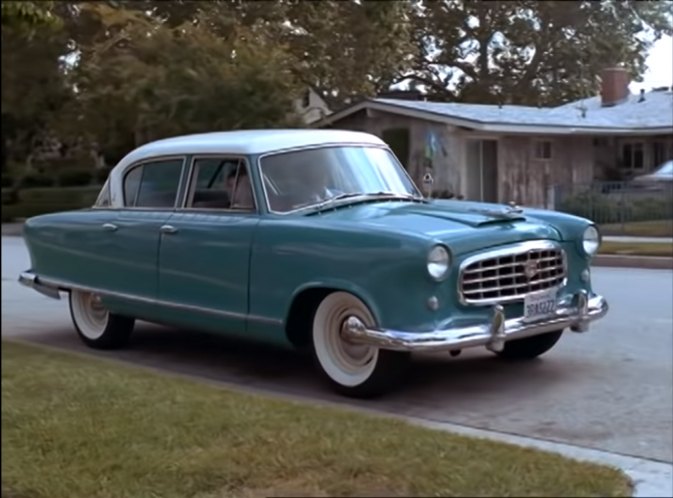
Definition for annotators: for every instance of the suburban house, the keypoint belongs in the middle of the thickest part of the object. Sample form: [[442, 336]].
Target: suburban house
[[518, 153], [311, 106]]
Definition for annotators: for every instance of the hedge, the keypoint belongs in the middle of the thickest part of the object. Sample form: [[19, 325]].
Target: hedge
[[32, 202], [75, 177], [7, 180], [604, 209]]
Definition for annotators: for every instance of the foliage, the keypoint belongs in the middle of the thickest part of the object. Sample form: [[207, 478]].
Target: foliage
[[28, 16], [533, 53], [7, 181], [111, 75], [149, 80], [29, 202], [33, 83], [614, 209], [75, 177], [30, 181]]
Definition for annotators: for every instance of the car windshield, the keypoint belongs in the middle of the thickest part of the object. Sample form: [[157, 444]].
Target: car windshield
[[310, 177]]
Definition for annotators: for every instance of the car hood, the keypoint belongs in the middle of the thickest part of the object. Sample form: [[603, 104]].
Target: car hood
[[463, 226]]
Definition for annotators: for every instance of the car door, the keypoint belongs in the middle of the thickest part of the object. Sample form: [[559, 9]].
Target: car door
[[204, 257], [151, 191]]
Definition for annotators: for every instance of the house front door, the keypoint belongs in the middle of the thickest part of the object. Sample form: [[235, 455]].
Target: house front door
[[482, 170]]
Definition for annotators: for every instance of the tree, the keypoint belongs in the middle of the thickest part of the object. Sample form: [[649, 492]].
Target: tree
[[33, 87], [142, 79], [527, 52]]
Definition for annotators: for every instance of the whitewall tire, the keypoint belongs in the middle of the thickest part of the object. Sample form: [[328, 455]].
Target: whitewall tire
[[95, 325], [352, 369]]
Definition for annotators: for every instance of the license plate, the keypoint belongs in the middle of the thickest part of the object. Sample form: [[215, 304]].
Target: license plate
[[539, 305]]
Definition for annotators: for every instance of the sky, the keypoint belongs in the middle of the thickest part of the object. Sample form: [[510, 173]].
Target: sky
[[659, 66]]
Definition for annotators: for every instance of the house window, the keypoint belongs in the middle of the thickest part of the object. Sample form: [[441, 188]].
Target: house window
[[306, 99], [543, 150], [633, 156], [658, 153]]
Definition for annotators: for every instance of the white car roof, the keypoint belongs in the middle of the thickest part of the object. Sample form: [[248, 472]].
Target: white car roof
[[244, 142], [240, 142]]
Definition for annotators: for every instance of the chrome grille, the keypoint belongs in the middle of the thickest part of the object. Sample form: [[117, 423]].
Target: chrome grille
[[509, 275]]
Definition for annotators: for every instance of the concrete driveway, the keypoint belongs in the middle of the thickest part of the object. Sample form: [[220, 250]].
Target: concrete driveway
[[610, 389]]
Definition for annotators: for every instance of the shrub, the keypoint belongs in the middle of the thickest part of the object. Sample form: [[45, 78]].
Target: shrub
[[75, 177], [23, 210], [81, 196], [102, 174], [9, 196], [606, 209], [30, 181], [7, 181]]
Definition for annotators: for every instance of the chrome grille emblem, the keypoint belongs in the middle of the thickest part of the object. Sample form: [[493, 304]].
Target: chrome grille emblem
[[530, 269]]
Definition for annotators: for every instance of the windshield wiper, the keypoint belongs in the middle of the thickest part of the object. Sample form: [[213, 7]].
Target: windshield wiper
[[395, 195], [364, 195]]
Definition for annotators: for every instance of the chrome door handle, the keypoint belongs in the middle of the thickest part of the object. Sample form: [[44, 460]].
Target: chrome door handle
[[109, 227], [168, 229]]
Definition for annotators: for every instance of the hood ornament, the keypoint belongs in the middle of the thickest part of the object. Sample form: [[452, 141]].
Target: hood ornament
[[511, 211]]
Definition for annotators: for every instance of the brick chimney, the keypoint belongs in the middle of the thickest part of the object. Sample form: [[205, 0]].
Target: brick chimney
[[614, 86]]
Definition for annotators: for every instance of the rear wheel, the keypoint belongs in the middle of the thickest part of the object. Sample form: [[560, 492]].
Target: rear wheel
[[352, 369], [530, 347], [95, 325]]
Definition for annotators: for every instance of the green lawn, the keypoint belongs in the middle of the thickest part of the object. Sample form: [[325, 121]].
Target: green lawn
[[75, 427], [637, 248], [659, 228]]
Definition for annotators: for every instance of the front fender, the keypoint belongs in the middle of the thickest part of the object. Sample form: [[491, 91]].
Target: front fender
[[340, 285]]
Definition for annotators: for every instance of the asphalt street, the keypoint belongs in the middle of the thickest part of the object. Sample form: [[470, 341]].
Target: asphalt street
[[609, 389]]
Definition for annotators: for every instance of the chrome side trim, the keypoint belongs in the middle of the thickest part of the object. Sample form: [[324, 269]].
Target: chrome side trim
[[575, 314], [51, 288], [508, 250]]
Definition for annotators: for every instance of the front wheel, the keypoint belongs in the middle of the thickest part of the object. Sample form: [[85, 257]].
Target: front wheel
[[530, 347], [95, 325], [354, 370]]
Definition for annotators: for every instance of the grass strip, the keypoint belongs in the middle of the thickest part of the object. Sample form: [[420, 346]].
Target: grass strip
[[637, 248], [76, 427]]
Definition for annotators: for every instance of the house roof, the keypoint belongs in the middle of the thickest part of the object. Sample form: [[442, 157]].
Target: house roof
[[653, 115]]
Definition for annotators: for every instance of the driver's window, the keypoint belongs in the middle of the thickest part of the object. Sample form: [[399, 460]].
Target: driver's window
[[221, 183]]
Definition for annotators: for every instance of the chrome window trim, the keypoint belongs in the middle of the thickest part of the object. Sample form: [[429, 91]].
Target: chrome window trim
[[320, 146], [141, 163], [190, 180], [509, 250]]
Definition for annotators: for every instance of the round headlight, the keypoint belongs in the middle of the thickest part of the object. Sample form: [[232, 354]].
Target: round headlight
[[439, 261], [591, 240]]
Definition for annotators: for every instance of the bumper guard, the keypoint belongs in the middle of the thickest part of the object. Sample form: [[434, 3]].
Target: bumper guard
[[493, 334]]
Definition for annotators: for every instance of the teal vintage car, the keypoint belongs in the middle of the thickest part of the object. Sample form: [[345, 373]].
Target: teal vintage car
[[314, 239]]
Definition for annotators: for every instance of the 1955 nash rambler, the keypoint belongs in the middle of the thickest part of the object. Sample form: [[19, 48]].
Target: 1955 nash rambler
[[313, 239]]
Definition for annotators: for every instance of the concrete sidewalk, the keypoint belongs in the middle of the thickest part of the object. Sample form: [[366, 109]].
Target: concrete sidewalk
[[12, 229]]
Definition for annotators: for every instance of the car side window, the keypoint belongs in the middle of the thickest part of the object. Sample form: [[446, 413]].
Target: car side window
[[221, 183], [154, 184], [103, 200]]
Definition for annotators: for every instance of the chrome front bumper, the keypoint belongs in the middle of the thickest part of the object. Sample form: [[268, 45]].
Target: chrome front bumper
[[576, 315]]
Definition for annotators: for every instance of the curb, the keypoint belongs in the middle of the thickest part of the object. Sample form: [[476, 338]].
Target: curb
[[621, 261]]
